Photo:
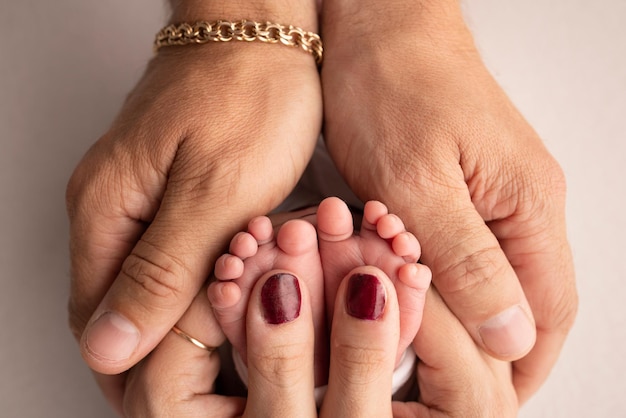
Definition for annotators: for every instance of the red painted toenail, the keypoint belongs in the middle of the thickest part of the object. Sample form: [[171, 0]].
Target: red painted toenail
[[281, 298], [365, 297]]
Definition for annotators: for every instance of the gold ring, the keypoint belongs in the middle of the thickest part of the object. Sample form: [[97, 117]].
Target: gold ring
[[192, 340]]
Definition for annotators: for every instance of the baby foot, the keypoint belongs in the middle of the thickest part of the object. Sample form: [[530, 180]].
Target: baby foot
[[254, 253], [383, 242]]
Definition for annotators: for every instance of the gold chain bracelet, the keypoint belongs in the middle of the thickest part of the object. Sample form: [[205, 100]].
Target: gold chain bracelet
[[245, 30]]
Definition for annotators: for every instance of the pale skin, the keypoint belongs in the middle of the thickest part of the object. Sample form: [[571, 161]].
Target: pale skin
[[418, 124], [280, 366], [319, 245], [312, 248]]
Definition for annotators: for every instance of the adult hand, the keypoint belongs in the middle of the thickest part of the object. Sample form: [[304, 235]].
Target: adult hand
[[455, 377], [211, 136], [178, 378], [414, 119]]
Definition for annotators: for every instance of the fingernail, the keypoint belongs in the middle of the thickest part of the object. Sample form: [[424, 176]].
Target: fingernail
[[365, 297], [509, 333], [281, 299], [112, 338]]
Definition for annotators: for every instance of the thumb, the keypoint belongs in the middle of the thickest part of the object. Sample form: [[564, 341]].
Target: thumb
[[364, 342], [160, 277], [280, 348], [473, 274]]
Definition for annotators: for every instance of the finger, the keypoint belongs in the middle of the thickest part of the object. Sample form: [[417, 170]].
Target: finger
[[470, 270], [178, 378], [165, 269], [364, 341], [106, 219], [109, 210], [280, 348], [165, 167], [113, 389], [529, 227], [535, 241], [450, 366], [102, 233]]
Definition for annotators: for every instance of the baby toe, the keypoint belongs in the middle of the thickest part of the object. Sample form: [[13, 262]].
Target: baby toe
[[243, 245], [406, 245], [334, 220], [372, 212], [297, 237], [223, 295], [228, 267], [389, 226], [261, 229]]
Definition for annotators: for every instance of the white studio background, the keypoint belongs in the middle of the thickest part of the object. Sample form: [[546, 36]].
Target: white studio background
[[66, 65]]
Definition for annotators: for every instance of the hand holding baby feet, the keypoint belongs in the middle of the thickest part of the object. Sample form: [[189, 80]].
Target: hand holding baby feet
[[382, 242]]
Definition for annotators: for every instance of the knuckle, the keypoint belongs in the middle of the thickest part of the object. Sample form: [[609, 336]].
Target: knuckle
[[278, 365], [359, 365], [470, 272], [489, 400], [505, 404], [156, 272], [74, 191], [145, 400], [561, 312], [86, 172], [557, 182], [89, 192], [544, 188], [494, 404]]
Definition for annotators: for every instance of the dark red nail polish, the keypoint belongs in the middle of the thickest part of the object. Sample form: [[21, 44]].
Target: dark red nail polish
[[281, 299], [365, 297]]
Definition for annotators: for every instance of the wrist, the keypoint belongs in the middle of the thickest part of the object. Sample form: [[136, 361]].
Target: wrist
[[301, 13], [417, 26]]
